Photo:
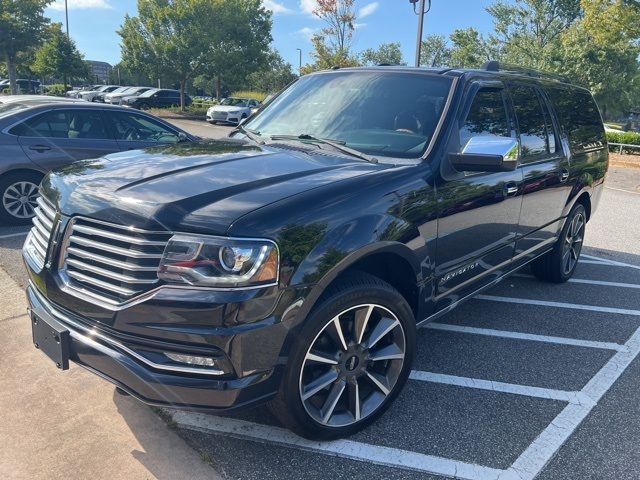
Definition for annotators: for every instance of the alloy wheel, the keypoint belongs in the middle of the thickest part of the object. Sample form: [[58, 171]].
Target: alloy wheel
[[19, 199], [352, 365], [573, 243]]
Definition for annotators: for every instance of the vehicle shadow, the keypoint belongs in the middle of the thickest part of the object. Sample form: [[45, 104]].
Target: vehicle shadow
[[162, 452]]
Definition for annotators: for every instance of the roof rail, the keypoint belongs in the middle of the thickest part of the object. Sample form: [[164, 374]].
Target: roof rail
[[496, 66]]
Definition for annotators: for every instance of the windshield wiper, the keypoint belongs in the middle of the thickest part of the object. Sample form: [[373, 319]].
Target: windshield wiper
[[332, 143], [255, 136]]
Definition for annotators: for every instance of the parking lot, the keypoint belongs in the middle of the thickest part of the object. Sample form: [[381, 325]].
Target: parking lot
[[527, 380]]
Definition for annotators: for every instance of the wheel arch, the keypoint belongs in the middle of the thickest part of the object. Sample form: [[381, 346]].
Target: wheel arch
[[392, 262]]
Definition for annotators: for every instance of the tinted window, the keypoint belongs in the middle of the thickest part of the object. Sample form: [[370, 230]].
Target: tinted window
[[132, 127], [579, 117], [487, 116], [389, 114], [64, 124], [531, 123]]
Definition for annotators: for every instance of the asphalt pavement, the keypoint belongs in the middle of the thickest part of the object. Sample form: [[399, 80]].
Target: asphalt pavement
[[529, 380]]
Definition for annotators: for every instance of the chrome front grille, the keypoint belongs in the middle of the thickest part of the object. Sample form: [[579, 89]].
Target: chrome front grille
[[112, 262], [37, 242]]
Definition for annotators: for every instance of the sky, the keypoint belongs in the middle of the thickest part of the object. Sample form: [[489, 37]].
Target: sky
[[93, 24]]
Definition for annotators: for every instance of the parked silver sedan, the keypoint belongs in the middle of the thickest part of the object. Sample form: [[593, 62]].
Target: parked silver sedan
[[37, 136]]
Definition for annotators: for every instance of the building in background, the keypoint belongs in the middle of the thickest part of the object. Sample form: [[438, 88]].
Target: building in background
[[99, 71]]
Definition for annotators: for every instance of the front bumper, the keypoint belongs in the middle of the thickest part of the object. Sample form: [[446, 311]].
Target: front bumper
[[121, 364]]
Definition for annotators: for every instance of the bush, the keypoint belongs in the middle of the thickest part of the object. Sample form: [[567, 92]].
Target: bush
[[249, 94], [56, 90], [627, 138]]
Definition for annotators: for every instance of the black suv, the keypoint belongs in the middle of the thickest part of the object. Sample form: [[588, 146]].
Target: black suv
[[293, 262], [156, 98]]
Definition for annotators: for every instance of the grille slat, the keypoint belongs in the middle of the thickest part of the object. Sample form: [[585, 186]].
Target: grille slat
[[113, 262], [40, 234], [78, 252]]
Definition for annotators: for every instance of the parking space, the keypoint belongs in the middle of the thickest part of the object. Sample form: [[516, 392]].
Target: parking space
[[498, 386]]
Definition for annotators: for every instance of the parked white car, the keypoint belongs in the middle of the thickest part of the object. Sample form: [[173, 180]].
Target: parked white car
[[232, 110], [90, 95], [115, 97], [77, 91]]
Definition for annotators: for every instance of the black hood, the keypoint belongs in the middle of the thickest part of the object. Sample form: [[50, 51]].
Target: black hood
[[192, 186]]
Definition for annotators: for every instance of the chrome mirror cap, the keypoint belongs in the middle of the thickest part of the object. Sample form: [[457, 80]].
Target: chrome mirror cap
[[505, 147]]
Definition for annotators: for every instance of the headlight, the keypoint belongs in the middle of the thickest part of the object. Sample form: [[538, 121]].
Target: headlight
[[219, 262]]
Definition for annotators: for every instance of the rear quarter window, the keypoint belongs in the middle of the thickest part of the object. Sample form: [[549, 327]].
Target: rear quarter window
[[579, 117]]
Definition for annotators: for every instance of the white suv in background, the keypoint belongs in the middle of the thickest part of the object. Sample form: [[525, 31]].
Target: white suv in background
[[232, 110]]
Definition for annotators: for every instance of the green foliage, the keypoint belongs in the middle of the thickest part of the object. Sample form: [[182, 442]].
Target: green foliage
[[273, 76], [250, 94], [435, 51], [56, 90], [176, 40], [627, 138], [387, 53], [58, 57], [22, 25], [326, 57]]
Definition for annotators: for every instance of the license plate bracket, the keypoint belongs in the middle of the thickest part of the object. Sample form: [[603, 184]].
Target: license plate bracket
[[52, 338]]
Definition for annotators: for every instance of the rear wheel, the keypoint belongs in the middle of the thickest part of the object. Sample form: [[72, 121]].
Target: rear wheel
[[558, 265], [144, 106], [349, 362], [19, 192]]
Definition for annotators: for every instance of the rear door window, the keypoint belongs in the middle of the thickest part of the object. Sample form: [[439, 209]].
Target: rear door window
[[579, 117]]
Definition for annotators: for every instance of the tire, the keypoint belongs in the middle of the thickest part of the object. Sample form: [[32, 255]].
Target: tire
[[361, 388], [18, 192], [144, 106], [558, 265]]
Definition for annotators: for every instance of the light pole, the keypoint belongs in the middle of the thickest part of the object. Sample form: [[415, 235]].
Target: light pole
[[299, 61], [66, 16], [420, 12]]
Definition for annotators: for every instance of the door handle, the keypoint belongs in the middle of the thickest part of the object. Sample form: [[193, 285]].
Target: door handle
[[564, 175], [511, 189], [39, 148]]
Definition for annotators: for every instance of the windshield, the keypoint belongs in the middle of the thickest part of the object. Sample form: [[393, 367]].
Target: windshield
[[391, 114], [236, 102], [9, 108], [121, 89], [148, 93]]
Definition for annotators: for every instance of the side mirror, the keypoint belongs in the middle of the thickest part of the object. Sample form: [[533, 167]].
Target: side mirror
[[487, 154]]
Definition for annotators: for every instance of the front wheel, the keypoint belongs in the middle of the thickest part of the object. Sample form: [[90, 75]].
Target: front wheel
[[19, 192], [558, 265], [350, 360]]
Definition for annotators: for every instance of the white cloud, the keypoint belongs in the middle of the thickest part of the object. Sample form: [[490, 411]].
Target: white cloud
[[306, 32], [368, 9], [359, 25], [275, 7], [308, 6], [78, 4]]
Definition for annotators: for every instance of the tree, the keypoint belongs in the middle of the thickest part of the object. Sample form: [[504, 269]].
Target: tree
[[435, 51], [58, 55], [179, 39], [22, 24], [339, 18], [333, 44], [470, 49], [273, 77], [387, 53], [528, 32]]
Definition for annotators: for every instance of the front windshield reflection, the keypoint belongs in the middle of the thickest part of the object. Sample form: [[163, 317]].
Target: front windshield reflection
[[382, 113]]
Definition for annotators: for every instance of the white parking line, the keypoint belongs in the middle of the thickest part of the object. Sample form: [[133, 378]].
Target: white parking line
[[544, 303], [537, 392], [526, 336], [595, 262], [541, 451], [613, 263], [391, 457], [587, 282], [12, 235]]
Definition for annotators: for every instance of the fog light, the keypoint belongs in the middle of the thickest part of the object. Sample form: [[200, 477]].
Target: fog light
[[192, 360]]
